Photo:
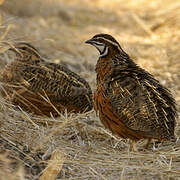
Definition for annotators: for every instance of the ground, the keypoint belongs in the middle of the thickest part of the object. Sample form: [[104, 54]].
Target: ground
[[149, 31]]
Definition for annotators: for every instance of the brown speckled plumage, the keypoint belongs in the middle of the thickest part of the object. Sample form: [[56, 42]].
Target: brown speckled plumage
[[42, 87], [130, 101]]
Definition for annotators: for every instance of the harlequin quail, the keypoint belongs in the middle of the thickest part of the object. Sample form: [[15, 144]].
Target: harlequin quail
[[43, 87], [130, 101]]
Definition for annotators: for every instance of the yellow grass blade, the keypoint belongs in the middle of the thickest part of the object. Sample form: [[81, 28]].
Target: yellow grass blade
[[6, 32], [54, 166]]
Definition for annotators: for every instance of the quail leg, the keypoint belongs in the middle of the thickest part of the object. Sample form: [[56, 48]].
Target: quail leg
[[148, 143]]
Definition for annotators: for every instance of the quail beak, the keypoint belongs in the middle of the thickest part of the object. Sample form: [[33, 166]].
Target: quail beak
[[90, 41]]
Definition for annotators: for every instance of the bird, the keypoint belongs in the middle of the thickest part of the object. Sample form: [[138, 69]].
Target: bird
[[130, 102], [43, 87]]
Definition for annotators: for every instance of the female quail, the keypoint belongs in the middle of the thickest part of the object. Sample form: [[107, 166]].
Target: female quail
[[42, 87]]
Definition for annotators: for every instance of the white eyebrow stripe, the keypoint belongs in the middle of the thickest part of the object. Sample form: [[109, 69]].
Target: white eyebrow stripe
[[110, 42], [98, 43]]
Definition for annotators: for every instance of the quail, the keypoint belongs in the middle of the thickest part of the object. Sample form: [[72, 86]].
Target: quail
[[42, 87], [131, 103]]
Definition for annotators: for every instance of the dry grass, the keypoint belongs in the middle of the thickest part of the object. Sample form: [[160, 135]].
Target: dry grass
[[148, 30]]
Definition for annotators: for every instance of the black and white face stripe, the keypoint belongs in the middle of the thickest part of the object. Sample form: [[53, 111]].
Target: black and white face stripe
[[104, 52], [111, 42], [105, 42], [101, 47]]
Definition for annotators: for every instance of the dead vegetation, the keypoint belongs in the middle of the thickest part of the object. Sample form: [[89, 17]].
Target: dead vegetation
[[77, 145]]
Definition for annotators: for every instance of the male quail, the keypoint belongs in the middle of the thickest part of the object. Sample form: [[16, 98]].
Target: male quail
[[130, 101]]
